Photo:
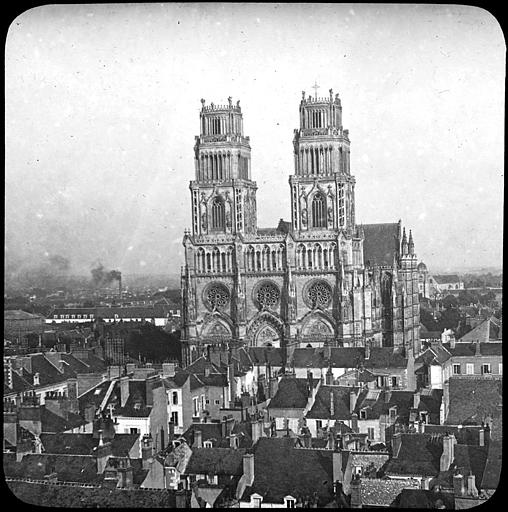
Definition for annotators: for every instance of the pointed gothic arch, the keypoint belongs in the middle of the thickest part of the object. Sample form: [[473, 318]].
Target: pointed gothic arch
[[218, 214], [318, 217], [265, 330]]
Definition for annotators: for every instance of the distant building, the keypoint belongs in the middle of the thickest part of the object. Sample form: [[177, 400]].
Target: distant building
[[18, 323]]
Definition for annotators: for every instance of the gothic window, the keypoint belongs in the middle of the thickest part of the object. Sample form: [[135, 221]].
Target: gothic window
[[258, 260], [266, 258], [319, 211], [274, 260], [267, 295], [318, 294], [218, 214], [215, 260], [200, 257], [249, 256], [208, 263], [217, 296], [309, 258], [223, 256]]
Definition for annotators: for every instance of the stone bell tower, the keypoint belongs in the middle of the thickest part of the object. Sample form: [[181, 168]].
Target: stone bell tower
[[223, 193], [322, 188]]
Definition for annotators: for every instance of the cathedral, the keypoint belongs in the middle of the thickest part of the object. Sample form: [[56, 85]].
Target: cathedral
[[320, 279]]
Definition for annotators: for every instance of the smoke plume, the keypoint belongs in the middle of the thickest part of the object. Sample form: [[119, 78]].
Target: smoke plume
[[102, 277]]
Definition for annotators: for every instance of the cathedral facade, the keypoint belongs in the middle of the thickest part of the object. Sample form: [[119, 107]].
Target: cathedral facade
[[319, 279]]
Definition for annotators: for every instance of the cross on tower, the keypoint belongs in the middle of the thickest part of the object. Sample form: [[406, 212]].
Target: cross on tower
[[315, 87]]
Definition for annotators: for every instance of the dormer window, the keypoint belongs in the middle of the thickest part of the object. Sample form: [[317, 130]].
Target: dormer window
[[363, 414], [289, 502], [207, 444]]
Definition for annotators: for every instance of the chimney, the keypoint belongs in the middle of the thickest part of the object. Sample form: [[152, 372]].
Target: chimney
[[367, 350], [248, 469], [332, 405], [354, 422], [337, 466], [102, 453], [471, 486], [396, 443], [477, 349], [356, 492], [329, 377], [147, 451], [72, 394], [198, 439], [425, 483], [448, 452], [352, 400], [481, 437], [330, 444], [149, 392], [416, 400], [458, 485], [233, 441], [124, 390], [207, 371], [257, 430], [130, 367], [89, 412], [168, 369]]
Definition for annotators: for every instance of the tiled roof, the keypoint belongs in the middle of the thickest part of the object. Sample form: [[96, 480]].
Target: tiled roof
[[216, 461], [264, 355], [209, 431], [472, 399], [291, 394], [422, 498], [69, 468], [492, 471], [213, 380], [464, 434], [446, 278], [470, 459], [18, 314], [179, 379], [95, 395], [136, 404], [383, 492], [491, 348], [385, 357], [200, 364], [380, 244], [83, 444], [281, 470], [487, 330], [419, 455], [321, 409], [51, 422]]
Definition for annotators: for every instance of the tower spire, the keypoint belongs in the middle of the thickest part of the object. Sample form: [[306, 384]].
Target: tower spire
[[315, 87], [404, 242], [411, 244]]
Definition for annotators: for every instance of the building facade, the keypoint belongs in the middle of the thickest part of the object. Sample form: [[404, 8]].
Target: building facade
[[321, 278]]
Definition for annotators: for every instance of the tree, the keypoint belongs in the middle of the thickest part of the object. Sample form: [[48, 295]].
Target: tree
[[450, 302]]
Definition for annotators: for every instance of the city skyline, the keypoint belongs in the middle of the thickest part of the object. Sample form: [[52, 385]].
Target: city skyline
[[102, 107]]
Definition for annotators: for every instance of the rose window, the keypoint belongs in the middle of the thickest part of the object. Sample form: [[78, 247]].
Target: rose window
[[217, 296], [319, 295], [267, 295]]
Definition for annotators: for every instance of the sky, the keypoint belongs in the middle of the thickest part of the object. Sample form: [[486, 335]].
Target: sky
[[102, 106]]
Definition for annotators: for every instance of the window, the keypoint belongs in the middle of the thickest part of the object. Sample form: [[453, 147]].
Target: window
[[174, 418], [55, 316], [134, 430], [195, 406], [208, 444], [500, 368], [84, 316], [319, 211], [319, 424], [202, 402], [370, 433], [217, 402], [394, 382], [79, 317], [290, 502], [218, 215], [67, 317], [456, 369], [486, 368], [207, 401], [175, 398], [73, 316], [257, 502], [363, 414], [470, 369]]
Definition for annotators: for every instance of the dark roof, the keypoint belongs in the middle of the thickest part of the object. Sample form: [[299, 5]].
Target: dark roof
[[213, 380], [339, 357], [209, 431], [492, 471], [177, 381], [95, 395], [385, 357], [83, 444], [491, 348], [423, 498], [380, 243], [69, 468], [473, 399], [470, 459], [464, 434], [280, 469], [264, 355], [216, 461], [201, 364], [291, 394], [487, 330], [136, 404], [321, 409], [419, 455], [18, 314], [51, 422], [64, 496]]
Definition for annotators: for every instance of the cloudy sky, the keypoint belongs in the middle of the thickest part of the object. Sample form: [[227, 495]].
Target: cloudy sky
[[102, 106]]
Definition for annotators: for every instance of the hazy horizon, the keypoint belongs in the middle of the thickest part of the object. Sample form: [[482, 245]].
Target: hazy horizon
[[102, 106]]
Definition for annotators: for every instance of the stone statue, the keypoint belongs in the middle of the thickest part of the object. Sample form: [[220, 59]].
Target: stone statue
[[304, 217], [202, 102], [230, 101], [238, 103], [330, 214], [204, 223]]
